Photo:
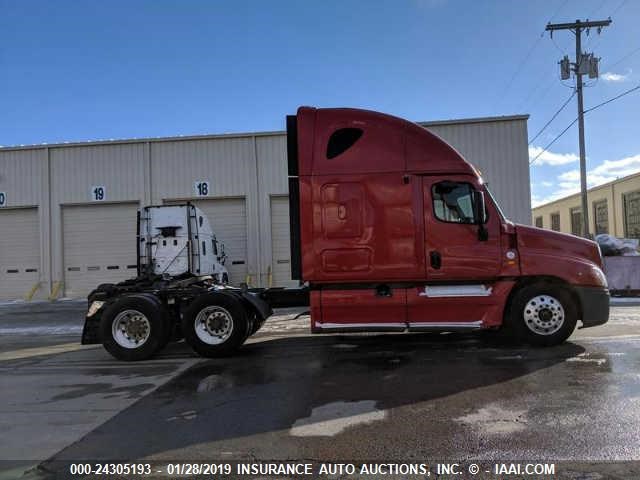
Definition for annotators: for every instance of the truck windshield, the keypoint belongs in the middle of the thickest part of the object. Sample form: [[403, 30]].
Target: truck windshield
[[493, 199]]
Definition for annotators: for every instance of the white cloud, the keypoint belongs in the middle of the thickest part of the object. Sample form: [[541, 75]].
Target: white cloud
[[547, 184], [550, 158], [613, 77], [569, 189], [571, 176], [569, 185], [569, 182], [596, 176], [618, 168]]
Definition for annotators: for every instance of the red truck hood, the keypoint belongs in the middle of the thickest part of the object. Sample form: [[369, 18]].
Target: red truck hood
[[538, 240]]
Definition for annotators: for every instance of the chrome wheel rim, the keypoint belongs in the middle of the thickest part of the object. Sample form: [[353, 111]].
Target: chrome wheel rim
[[131, 329], [544, 315], [213, 325]]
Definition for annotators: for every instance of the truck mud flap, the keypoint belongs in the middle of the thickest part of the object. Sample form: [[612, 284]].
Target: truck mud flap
[[262, 308]]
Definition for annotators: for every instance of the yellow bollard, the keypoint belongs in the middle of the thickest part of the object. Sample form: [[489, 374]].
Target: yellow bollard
[[55, 290], [32, 292]]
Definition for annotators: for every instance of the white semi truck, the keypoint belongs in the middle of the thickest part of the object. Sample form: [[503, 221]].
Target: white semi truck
[[181, 274], [178, 239]]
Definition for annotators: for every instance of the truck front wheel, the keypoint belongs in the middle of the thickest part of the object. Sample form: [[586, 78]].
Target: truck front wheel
[[215, 325], [134, 327], [542, 314]]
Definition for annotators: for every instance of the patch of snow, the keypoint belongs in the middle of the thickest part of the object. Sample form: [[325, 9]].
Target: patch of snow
[[493, 419], [330, 419]]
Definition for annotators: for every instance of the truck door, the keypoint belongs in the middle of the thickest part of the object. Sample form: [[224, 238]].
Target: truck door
[[461, 265], [454, 250]]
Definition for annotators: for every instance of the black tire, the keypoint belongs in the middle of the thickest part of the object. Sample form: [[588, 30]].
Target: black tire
[[223, 309], [158, 324], [541, 314], [256, 325]]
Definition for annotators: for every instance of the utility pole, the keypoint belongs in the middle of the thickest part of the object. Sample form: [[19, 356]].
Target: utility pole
[[584, 64]]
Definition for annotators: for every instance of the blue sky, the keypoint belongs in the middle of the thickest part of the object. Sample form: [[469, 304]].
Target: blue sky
[[84, 70]]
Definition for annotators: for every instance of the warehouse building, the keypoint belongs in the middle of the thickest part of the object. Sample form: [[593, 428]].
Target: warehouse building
[[614, 209], [68, 211]]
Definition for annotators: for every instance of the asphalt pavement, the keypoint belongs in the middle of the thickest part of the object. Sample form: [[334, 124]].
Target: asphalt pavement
[[342, 398]]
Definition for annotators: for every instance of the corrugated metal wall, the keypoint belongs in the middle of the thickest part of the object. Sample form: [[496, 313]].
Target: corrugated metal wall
[[22, 176], [248, 166], [271, 153]]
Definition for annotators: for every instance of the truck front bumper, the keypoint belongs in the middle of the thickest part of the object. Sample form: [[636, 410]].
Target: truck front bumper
[[594, 303]]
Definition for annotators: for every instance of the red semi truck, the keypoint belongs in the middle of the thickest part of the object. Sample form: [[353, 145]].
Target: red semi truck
[[391, 230]]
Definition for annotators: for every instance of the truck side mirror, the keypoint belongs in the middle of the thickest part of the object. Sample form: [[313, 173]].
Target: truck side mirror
[[479, 214]]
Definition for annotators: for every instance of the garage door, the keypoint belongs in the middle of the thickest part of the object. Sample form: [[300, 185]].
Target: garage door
[[228, 219], [19, 252], [99, 245], [280, 246]]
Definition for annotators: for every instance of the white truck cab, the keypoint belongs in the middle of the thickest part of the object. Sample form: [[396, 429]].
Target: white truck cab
[[175, 240]]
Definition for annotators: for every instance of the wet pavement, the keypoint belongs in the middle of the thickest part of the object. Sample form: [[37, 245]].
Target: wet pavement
[[343, 398]]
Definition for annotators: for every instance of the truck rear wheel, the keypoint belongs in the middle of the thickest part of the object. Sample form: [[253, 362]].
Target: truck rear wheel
[[215, 325], [134, 327], [542, 314]]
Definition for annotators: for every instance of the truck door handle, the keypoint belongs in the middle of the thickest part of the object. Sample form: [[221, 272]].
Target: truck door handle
[[436, 259]]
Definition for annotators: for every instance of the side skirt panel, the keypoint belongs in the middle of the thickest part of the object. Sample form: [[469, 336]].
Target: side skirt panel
[[415, 308]]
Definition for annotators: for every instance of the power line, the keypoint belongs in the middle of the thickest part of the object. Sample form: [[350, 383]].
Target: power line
[[558, 10], [527, 56], [618, 62], [593, 12], [538, 84], [614, 98], [576, 119], [618, 7], [553, 141], [553, 117], [600, 37], [522, 64], [564, 52]]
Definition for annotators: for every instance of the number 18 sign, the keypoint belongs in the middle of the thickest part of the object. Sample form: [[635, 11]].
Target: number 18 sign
[[201, 188]]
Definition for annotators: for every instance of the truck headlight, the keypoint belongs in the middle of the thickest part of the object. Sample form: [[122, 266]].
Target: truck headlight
[[95, 306]]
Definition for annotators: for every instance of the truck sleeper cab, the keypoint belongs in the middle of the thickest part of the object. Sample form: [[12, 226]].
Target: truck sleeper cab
[[391, 230], [394, 230]]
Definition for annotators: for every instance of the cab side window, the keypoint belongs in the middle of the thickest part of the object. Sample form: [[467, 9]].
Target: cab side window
[[453, 202]]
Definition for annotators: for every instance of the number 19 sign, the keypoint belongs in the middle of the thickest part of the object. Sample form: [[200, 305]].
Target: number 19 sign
[[201, 188], [98, 193]]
